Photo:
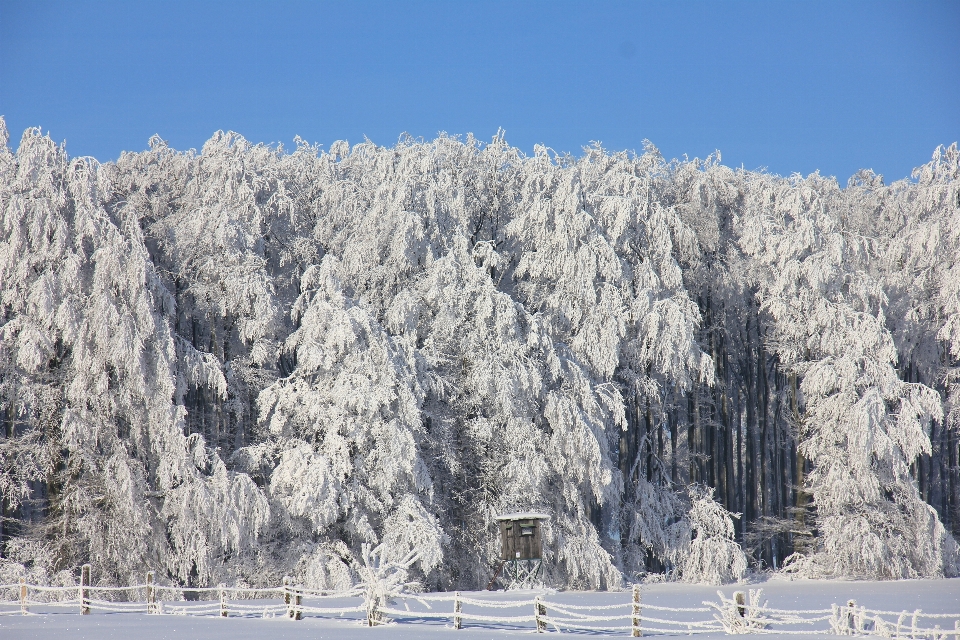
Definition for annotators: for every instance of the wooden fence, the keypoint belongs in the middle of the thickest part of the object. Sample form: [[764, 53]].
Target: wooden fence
[[734, 615]]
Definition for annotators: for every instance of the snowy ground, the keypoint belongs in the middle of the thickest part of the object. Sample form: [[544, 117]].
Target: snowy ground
[[932, 596]]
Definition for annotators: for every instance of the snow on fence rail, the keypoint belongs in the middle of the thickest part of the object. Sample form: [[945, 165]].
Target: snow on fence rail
[[733, 616]]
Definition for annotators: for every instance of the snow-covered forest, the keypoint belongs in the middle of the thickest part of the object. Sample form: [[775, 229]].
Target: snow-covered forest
[[247, 362]]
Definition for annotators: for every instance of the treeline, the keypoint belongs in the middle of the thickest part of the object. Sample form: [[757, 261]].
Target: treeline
[[246, 362]]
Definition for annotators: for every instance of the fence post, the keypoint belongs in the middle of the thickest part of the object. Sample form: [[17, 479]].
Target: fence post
[[223, 600], [456, 610], [637, 631], [741, 599], [23, 595], [851, 617], [373, 611], [297, 612], [84, 593], [286, 595], [539, 610], [151, 594]]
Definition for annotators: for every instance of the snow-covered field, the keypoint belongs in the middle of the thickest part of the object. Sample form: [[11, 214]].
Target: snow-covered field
[[930, 596]]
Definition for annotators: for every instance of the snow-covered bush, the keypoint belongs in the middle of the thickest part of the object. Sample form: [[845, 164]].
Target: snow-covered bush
[[743, 617], [382, 580]]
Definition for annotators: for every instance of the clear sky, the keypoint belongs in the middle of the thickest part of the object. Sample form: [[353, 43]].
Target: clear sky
[[791, 86]]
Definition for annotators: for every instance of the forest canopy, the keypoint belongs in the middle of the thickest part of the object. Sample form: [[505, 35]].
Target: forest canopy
[[247, 362]]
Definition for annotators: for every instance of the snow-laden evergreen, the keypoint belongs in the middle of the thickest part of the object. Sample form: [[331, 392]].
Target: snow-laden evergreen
[[244, 363]]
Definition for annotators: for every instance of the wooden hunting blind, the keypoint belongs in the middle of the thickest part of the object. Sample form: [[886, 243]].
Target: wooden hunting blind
[[520, 536], [521, 548]]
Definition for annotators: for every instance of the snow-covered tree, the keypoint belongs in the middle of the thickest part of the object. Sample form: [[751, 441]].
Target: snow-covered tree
[[125, 486], [256, 362], [713, 556], [347, 422], [862, 427]]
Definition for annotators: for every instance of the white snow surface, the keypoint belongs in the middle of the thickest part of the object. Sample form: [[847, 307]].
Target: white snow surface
[[930, 596]]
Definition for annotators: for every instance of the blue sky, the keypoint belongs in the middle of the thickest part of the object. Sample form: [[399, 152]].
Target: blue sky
[[791, 86]]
